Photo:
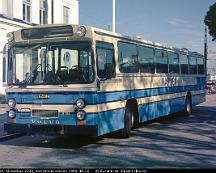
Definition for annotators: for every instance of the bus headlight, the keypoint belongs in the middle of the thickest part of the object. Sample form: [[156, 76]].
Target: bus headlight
[[81, 115], [12, 114], [10, 37], [81, 31], [80, 103], [11, 103]]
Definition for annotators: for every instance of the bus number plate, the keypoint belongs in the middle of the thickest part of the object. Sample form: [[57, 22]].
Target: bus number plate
[[43, 96]]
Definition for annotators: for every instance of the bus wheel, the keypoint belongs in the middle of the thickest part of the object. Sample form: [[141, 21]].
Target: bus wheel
[[128, 123], [188, 106]]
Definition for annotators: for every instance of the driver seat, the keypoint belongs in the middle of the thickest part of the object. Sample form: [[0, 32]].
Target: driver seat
[[75, 75]]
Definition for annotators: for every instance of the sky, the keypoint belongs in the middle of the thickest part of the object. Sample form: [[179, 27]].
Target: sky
[[177, 23]]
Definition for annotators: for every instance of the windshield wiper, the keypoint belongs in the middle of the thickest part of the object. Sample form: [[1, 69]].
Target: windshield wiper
[[24, 83], [30, 77]]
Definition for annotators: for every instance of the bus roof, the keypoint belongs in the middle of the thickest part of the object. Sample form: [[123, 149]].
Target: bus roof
[[142, 40], [93, 30]]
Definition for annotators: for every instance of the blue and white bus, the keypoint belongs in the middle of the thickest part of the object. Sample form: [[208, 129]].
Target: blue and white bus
[[71, 79]]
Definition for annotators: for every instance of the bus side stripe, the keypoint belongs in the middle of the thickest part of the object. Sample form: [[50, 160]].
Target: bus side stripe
[[91, 109], [100, 98]]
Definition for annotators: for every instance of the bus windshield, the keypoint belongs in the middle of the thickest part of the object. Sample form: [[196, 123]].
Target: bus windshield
[[56, 63]]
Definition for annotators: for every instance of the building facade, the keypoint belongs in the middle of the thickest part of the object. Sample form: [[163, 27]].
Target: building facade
[[17, 14]]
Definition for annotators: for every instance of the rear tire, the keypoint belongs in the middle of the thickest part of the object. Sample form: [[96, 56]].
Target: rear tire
[[128, 120], [188, 106]]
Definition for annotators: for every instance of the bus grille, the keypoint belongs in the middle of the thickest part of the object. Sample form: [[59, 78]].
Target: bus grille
[[45, 113]]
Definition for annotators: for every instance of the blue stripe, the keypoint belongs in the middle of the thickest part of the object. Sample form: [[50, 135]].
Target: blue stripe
[[92, 98], [113, 120]]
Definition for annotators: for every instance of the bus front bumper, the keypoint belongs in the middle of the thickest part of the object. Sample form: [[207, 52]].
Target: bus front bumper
[[51, 129]]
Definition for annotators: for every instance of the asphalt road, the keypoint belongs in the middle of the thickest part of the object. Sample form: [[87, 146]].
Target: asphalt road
[[174, 142]]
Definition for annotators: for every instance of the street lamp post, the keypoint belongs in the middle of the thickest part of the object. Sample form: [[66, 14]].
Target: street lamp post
[[206, 50], [113, 15]]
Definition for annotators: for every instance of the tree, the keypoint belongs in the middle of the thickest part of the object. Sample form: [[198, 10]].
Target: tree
[[210, 21]]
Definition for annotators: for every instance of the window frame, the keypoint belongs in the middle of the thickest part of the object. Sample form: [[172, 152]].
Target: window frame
[[184, 54], [190, 57], [43, 12], [12, 66], [155, 61], [26, 4], [170, 53], [129, 43], [64, 16], [198, 70], [113, 51], [8, 8], [153, 58]]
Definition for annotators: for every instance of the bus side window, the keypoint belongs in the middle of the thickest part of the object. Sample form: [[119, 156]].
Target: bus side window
[[192, 65], [105, 59], [161, 61], [184, 63], [200, 63], [146, 59], [173, 62], [128, 58]]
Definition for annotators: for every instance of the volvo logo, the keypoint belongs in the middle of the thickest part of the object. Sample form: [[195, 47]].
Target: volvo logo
[[45, 122]]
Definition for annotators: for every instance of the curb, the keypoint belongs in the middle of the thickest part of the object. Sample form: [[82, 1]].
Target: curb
[[11, 136]]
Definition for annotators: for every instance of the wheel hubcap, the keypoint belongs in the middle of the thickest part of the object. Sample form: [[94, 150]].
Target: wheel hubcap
[[132, 120], [188, 106]]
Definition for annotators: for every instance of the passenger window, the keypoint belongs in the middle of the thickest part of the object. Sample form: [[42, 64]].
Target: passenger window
[[184, 64], [173, 62], [146, 59], [128, 58], [105, 60], [192, 65], [200, 63], [161, 61]]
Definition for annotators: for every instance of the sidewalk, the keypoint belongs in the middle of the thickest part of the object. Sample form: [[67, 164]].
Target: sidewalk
[[3, 109], [2, 120]]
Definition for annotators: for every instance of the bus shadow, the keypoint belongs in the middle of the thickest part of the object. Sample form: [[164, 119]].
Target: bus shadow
[[157, 121], [69, 142], [58, 142], [171, 142], [192, 138], [183, 144], [200, 115]]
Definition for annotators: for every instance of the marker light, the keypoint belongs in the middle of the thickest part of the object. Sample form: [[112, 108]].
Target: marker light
[[11, 103], [80, 103], [12, 114], [81, 115], [81, 31], [10, 36]]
